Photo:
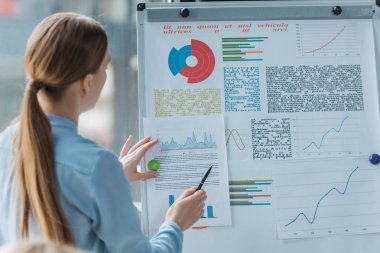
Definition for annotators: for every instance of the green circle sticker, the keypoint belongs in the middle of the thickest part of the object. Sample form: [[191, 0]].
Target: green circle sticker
[[154, 165]]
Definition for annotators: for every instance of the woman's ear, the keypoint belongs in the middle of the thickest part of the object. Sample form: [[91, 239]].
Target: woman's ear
[[86, 83]]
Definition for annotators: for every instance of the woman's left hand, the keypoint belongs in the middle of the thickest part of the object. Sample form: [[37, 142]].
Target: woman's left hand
[[131, 157]]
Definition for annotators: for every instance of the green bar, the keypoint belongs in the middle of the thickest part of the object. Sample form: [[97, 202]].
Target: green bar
[[232, 51], [244, 38], [240, 202], [236, 196], [234, 45], [239, 38], [232, 58]]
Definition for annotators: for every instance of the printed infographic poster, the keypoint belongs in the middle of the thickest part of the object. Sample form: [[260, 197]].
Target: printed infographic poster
[[300, 104]]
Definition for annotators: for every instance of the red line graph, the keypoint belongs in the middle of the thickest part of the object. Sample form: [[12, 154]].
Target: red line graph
[[236, 138], [328, 43]]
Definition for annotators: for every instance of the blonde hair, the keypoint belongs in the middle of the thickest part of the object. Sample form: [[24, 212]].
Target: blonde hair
[[38, 247], [63, 48]]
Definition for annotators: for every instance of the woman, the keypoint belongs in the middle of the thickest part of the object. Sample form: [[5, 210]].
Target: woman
[[60, 186]]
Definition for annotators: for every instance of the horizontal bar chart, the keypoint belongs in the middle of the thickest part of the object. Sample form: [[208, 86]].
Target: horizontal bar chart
[[250, 192], [241, 48]]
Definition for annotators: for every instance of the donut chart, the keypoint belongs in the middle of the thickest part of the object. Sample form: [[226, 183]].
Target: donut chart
[[205, 61]]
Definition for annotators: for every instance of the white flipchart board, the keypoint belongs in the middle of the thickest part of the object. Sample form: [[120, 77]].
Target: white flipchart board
[[272, 46]]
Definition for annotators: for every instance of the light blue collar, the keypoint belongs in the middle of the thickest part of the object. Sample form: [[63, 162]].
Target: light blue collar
[[61, 121]]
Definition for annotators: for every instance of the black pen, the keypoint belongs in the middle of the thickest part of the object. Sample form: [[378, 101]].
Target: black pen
[[204, 179]]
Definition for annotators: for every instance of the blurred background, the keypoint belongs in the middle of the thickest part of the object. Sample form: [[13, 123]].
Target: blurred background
[[116, 114]]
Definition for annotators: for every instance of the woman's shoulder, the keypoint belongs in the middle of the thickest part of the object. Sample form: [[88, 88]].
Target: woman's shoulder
[[83, 154]]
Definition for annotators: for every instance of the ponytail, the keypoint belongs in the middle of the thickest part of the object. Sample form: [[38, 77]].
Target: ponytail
[[63, 48], [35, 163]]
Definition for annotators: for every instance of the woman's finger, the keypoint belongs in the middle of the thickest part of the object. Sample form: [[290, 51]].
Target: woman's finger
[[140, 152], [138, 144], [202, 197], [148, 175], [126, 147]]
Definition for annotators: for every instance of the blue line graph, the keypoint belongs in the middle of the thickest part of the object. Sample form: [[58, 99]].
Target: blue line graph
[[311, 221], [191, 143], [323, 137]]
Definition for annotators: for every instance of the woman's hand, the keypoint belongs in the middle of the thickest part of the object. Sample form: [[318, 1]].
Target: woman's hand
[[131, 157], [188, 208]]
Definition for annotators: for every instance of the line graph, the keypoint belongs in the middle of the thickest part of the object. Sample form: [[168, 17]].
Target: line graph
[[318, 146], [190, 143], [328, 43], [235, 135], [323, 197], [238, 141], [311, 221], [333, 40], [325, 137]]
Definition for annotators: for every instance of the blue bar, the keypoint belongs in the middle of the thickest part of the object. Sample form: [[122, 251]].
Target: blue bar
[[210, 212], [171, 200]]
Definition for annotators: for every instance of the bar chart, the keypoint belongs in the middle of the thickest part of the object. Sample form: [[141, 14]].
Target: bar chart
[[210, 212], [243, 49], [250, 192], [209, 209]]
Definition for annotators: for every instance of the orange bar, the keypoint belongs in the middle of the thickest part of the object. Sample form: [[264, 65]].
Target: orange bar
[[199, 228], [263, 196]]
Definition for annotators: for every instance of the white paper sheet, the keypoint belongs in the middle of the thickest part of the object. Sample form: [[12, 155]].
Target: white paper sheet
[[319, 198], [187, 147]]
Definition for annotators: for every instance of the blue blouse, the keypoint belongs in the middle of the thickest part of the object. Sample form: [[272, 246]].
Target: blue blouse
[[94, 194]]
